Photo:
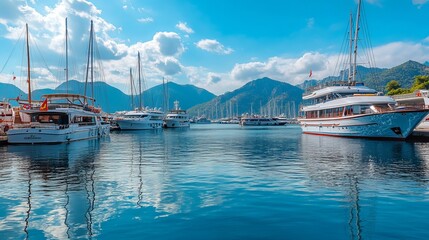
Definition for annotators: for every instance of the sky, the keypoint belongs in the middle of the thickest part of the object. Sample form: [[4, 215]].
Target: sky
[[216, 45]]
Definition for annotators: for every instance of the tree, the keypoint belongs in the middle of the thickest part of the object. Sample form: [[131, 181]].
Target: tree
[[420, 82], [392, 85]]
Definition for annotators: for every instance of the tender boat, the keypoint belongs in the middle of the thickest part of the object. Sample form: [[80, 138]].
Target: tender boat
[[350, 109], [177, 118], [61, 118]]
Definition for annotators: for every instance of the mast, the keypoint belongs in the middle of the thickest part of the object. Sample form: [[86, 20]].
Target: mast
[[350, 48], [140, 83], [132, 89], [92, 62], [90, 58], [356, 40], [28, 66], [67, 61]]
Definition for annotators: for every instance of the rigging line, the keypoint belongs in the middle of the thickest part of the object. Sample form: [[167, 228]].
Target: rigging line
[[13, 49], [44, 61]]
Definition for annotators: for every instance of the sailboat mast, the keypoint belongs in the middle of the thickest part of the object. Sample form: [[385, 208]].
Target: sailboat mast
[[356, 40], [67, 61], [140, 83], [351, 48], [28, 66], [132, 89], [92, 62]]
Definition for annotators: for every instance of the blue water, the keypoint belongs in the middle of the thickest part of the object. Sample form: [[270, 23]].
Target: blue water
[[216, 182]]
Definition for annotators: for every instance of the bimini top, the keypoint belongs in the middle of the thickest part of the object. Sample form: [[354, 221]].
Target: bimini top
[[352, 100], [346, 90]]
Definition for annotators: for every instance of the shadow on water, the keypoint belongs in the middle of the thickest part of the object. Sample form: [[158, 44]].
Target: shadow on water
[[64, 172]]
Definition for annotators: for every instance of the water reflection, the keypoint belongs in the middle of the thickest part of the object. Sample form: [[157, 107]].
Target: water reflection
[[56, 174], [357, 167]]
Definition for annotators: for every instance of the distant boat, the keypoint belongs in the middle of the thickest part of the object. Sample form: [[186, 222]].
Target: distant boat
[[353, 110], [202, 120], [140, 119], [258, 121], [177, 118], [62, 118]]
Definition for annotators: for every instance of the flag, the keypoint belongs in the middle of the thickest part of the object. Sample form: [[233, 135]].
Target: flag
[[44, 106], [17, 98], [14, 77], [311, 73]]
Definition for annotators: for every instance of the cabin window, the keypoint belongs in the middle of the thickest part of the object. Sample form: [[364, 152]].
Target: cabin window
[[61, 119]]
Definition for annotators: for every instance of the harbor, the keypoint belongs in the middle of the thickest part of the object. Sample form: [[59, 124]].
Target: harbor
[[194, 182], [214, 120]]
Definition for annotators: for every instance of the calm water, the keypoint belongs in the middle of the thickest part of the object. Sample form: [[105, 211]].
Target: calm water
[[216, 182]]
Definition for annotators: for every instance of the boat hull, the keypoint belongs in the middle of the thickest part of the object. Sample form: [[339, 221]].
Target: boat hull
[[48, 135], [395, 125], [143, 124], [171, 123]]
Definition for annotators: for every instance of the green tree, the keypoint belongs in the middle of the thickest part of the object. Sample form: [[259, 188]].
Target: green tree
[[420, 82], [392, 85]]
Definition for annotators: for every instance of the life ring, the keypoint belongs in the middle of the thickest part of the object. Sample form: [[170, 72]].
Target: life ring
[[6, 128], [418, 94]]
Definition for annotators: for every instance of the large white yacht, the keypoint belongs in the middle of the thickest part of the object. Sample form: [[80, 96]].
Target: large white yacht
[[177, 118], [141, 120], [62, 118], [353, 110], [357, 111]]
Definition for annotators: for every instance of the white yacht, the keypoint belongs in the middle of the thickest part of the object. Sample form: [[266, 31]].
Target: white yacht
[[141, 120], [418, 99], [353, 110], [177, 118], [357, 111], [59, 121], [258, 121]]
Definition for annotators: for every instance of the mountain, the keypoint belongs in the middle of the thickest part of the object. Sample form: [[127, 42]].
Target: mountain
[[377, 78], [188, 95], [10, 91], [112, 99], [266, 96]]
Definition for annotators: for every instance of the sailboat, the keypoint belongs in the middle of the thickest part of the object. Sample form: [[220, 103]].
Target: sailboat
[[60, 118], [354, 110], [141, 118]]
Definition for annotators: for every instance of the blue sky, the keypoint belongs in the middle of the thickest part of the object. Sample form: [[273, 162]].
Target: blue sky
[[217, 45]]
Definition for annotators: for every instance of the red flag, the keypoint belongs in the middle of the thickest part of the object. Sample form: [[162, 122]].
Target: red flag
[[311, 73], [44, 106], [14, 77], [17, 98]]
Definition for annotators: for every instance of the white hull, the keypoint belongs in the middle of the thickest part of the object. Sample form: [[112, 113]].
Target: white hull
[[54, 135], [398, 125], [136, 124], [172, 123]]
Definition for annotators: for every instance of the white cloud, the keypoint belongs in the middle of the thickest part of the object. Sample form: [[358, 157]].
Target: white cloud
[[145, 20], [212, 45], [125, 7], [169, 66], [169, 43], [419, 2], [213, 78], [184, 27]]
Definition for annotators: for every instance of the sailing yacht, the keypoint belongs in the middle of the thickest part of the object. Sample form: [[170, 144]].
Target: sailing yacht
[[141, 118], [354, 110], [61, 118], [177, 118]]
